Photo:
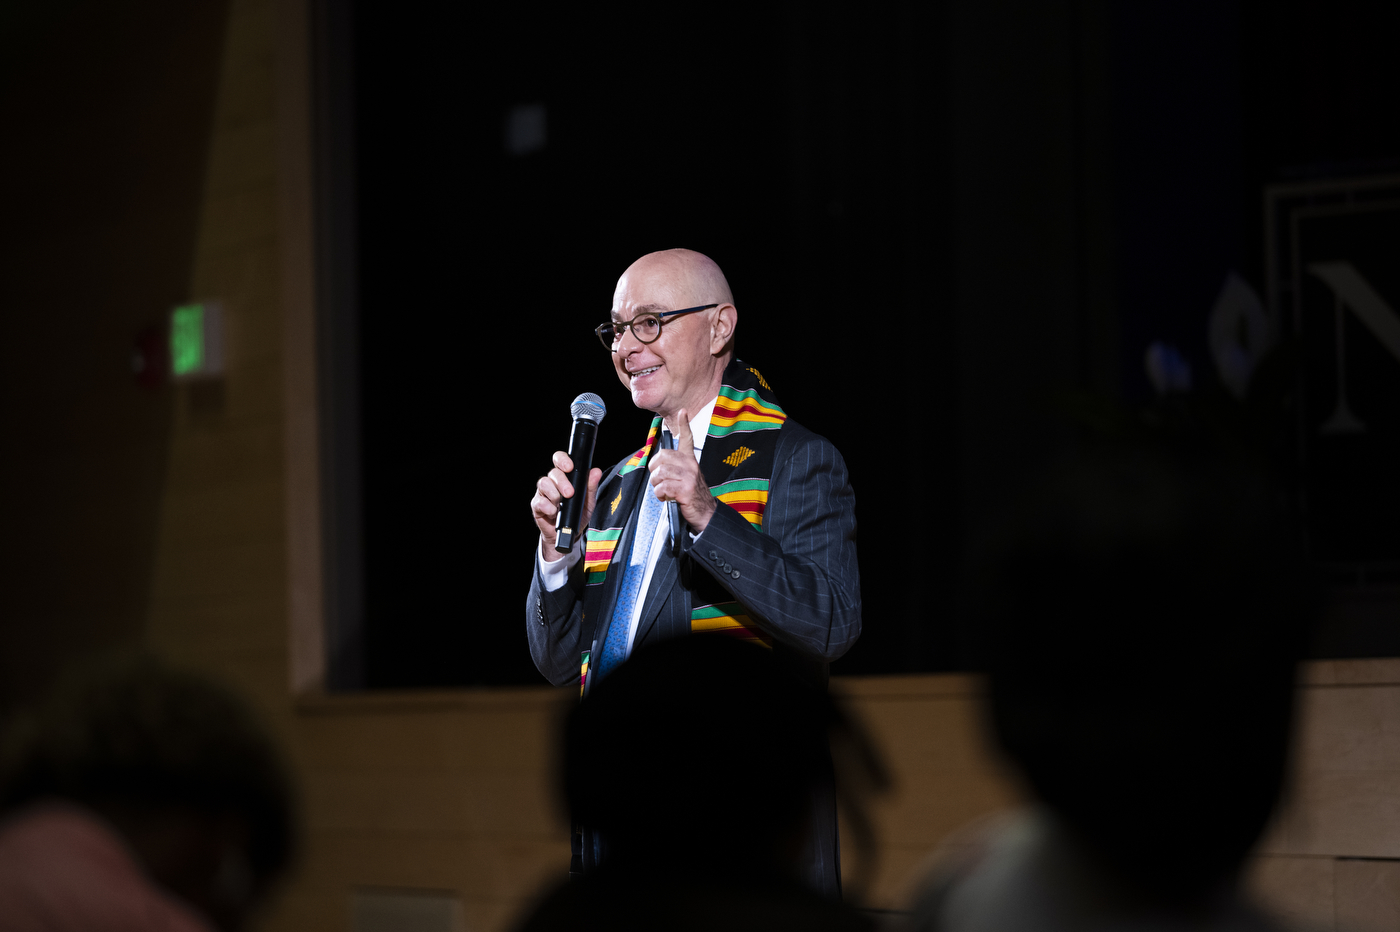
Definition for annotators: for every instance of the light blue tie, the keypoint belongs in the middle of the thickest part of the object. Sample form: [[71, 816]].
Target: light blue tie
[[615, 647]]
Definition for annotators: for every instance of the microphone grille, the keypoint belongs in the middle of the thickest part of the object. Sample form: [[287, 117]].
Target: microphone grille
[[590, 406]]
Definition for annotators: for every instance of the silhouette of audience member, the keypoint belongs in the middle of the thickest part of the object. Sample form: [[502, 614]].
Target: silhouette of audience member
[[701, 762], [1140, 622], [140, 798]]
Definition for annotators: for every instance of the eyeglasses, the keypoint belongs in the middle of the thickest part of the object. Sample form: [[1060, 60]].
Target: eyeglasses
[[645, 327]]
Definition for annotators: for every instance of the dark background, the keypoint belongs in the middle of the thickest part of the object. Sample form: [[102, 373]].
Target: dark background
[[106, 110], [934, 216], [1355, 513]]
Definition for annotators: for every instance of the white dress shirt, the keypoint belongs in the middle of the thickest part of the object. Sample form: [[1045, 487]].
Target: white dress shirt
[[556, 573]]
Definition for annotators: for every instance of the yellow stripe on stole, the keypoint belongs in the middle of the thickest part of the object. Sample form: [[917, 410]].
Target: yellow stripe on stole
[[726, 623], [744, 495]]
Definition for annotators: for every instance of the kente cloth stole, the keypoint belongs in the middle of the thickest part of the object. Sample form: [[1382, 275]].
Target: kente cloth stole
[[737, 463]]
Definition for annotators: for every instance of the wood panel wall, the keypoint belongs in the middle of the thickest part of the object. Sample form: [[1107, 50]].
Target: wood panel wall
[[106, 109]]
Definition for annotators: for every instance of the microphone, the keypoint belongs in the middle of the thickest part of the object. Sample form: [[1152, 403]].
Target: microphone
[[588, 410]]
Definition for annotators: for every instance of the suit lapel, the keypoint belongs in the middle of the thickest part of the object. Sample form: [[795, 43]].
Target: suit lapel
[[663, 575], [663, 580]]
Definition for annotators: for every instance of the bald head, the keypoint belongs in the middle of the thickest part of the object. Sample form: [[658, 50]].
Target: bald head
[[690, 277], [682, 368]]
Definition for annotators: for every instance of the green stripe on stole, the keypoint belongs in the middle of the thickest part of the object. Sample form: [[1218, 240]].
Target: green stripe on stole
[[727, 618], [599, 546], [740, 485]]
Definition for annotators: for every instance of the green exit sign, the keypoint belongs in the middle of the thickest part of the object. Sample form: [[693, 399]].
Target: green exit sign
[[196, 341]]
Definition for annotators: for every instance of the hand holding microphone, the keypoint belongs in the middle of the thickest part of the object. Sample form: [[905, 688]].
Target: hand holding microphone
[[561, 515]]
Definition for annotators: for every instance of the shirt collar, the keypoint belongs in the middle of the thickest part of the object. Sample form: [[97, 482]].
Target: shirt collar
[[700, 425]]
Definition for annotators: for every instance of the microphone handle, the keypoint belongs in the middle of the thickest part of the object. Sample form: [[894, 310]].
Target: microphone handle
[[673, 511], [566, 524]]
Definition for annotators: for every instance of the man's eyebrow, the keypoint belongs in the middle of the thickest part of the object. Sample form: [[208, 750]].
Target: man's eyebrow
[[644, 309]]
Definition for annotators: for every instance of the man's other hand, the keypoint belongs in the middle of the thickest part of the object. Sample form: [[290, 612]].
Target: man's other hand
[[675, 475], [552, 489]]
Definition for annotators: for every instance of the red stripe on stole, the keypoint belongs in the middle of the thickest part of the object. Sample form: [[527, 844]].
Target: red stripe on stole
[[752, 512], [637, 457]]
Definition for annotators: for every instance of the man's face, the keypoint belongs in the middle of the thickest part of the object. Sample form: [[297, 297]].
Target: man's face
[[676, 370]]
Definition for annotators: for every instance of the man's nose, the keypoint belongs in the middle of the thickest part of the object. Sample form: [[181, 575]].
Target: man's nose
[[623, 349]]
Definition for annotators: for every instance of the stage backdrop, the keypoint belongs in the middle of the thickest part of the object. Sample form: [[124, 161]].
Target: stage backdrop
[[508, 165], [936, 223]]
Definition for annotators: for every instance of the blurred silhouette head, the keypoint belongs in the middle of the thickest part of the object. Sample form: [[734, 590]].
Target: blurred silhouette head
[[1140, 621], [701, 749], [179, 766]]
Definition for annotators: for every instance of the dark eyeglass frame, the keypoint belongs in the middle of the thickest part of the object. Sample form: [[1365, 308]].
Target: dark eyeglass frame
[[620, 327]]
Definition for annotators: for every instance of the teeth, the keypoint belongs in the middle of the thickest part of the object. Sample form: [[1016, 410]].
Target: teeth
[[641, 372]]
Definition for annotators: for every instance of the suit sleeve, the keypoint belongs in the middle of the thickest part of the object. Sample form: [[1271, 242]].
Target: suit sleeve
[[554, 622], [798, 579], [554, 626]]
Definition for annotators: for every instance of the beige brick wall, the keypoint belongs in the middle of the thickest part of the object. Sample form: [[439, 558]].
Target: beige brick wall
[[442, 791], [1332, 858]]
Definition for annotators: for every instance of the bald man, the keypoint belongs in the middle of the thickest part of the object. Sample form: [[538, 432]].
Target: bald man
[[765, 548]]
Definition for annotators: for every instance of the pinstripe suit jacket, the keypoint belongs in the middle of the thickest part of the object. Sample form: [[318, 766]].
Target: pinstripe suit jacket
[[798, 579]]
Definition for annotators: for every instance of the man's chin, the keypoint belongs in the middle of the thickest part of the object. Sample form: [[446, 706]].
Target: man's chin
[[647, 401]]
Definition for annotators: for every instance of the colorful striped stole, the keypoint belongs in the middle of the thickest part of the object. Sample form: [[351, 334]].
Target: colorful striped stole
[[747, 496], [742, 411], [740, 447], [598, 549]]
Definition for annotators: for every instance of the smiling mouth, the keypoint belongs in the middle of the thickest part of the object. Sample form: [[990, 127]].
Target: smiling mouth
[[641, 372]]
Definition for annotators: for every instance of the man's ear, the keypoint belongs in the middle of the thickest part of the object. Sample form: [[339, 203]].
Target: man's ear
[[722, 329]]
